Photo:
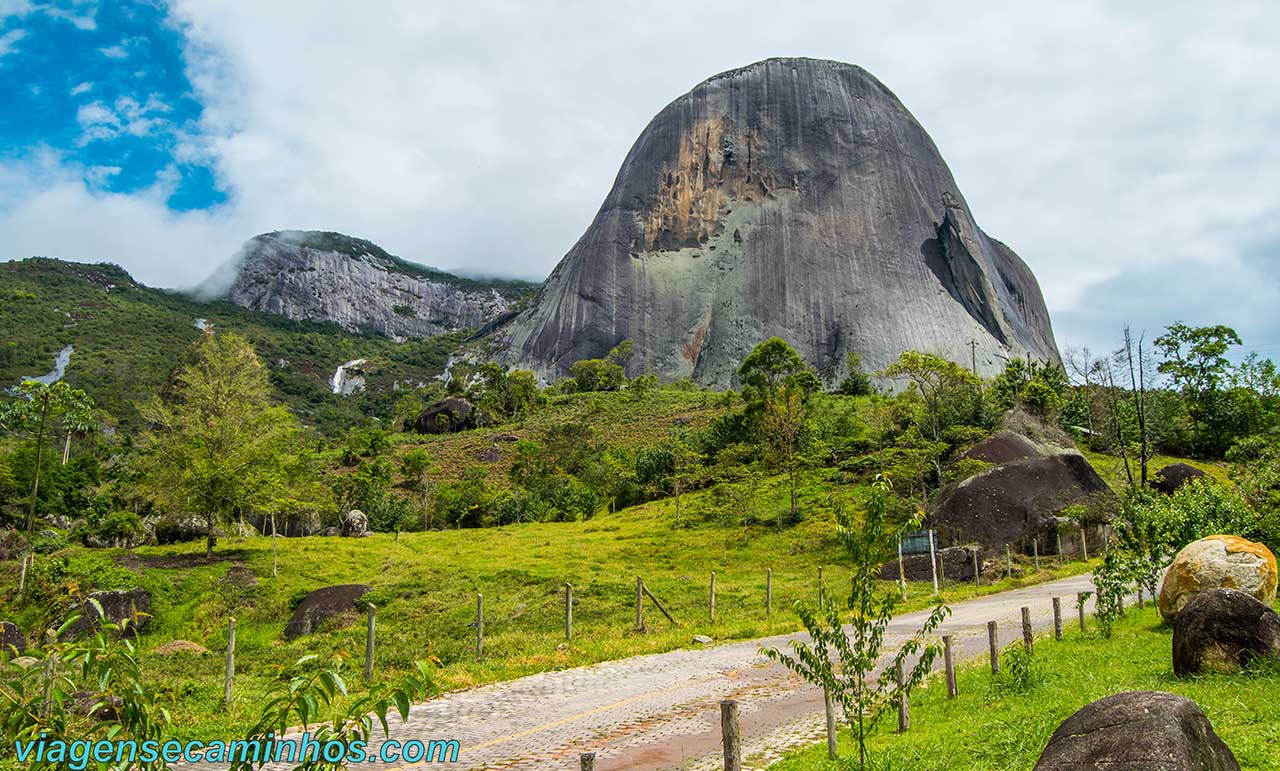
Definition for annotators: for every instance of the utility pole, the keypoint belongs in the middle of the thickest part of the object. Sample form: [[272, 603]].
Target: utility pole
[[973, 356]]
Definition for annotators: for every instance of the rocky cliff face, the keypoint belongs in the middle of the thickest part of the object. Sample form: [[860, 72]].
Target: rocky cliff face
[[332, 277], [795, 198]]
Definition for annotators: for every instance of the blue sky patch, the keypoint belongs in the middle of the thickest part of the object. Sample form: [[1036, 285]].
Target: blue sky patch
[[107, 90]]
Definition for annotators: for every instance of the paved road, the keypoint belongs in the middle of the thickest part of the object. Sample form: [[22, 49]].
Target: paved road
[[662, 711]]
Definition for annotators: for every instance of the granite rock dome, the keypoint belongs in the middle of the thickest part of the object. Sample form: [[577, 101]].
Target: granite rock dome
[[792, 197]]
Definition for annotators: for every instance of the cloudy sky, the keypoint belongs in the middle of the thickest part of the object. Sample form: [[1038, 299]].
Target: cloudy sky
[[1128, 151]]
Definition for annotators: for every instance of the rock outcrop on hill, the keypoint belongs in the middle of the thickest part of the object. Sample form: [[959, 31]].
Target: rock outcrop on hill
[[796, 198], [307, 275]]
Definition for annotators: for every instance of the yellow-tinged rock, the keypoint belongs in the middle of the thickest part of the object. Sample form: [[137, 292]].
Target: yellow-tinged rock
[[1218, 562]]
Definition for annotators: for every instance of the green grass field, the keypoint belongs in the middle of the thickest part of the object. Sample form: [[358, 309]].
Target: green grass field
[[425, 586], [988, 727]]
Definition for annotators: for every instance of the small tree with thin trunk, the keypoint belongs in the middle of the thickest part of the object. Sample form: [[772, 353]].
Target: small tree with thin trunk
[[784, 422], [34, 413], [216, 446], [840, 661]]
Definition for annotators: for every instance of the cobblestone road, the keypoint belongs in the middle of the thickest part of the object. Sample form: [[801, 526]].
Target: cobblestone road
[[662, 711]]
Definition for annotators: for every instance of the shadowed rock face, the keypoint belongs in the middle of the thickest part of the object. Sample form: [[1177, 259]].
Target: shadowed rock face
[[792, 197]]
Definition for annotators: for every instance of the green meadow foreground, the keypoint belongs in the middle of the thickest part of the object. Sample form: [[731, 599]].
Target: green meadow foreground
[[425, 586], [1005, 722]]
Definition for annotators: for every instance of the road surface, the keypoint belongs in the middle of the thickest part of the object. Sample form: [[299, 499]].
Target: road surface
[[661, 711]]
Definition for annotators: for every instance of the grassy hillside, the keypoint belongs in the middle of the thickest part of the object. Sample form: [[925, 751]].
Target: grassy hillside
[[425, 586], [997, 725], [128, 336]]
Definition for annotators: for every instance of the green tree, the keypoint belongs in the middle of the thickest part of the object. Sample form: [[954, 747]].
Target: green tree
[[947, 390], [217, 447], [857, 382], [34, 413], [596, 375], [622, 353], [769, 366], [841, 662], [1195, 359], [785, 423]]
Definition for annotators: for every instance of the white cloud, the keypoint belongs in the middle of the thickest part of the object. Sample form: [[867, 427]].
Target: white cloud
[[137, 231], [82, 88], [114, 52], [9, 40], [1099, 140], [125, 116]]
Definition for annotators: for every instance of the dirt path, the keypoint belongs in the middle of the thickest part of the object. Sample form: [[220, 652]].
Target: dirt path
[[662, 711]]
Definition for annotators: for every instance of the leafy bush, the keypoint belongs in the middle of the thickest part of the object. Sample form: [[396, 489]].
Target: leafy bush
[[1019, 674], [596, 375]]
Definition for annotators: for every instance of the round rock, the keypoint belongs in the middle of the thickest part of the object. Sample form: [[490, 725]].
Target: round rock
[[1218, 562], [1223, 630], [1175, 475], [12, 641], [1137, 731], [323, 604]]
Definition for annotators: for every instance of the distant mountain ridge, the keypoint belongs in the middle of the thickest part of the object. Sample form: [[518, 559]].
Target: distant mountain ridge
[[327, 276], [125, 337]]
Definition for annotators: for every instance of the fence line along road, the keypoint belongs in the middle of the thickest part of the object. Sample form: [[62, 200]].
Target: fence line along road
[[662, 711]]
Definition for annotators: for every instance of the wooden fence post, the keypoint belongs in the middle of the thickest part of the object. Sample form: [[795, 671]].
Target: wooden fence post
[[933, 564], [1035, 550], [1080, 608], [902, 573], [993, 642], [1059, 535], [587, 761], [368, 643], [1028, 641], [820, 597], [831, 724], [1084, 545], [768, 592], [948, 660], [230, 675], [977, 571], [1057, 618], [639, 604], [904, 702], [942, 571], [711, 599], [732, 738], [1008, 556], [568, 613]]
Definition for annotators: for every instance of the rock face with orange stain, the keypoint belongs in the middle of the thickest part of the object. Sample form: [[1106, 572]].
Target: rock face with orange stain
[[1218, 562], [792, 197]]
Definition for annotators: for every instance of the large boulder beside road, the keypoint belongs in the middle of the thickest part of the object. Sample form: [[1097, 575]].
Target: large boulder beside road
[[1222, 631], [1018, 502], [1137, 731], [326, 603], [1218, 562]]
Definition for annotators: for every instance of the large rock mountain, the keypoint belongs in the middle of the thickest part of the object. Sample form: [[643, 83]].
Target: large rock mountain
[[796, 198], [308, 275]]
